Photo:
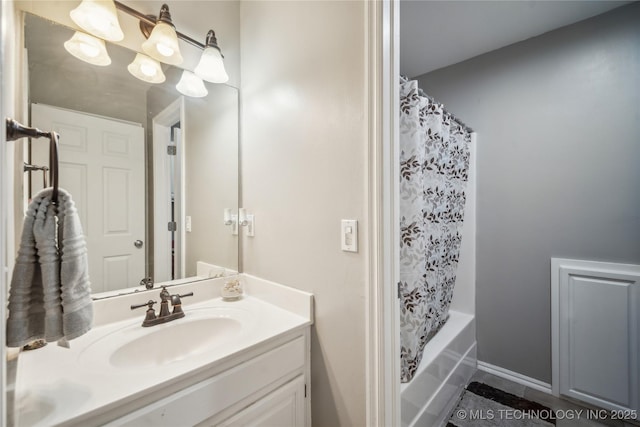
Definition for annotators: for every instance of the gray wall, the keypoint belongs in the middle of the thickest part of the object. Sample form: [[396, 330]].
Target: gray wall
[[558, 122]]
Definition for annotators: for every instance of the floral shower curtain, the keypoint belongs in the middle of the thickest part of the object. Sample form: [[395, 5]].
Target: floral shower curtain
[[434, 167]]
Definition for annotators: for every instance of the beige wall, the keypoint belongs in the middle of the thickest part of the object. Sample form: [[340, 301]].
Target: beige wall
[[211, 172], [211, 158], [303, 162]]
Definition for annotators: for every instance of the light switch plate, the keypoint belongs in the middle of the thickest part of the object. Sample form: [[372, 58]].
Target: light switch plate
[[251, 225], [349, 235], [234, 225]]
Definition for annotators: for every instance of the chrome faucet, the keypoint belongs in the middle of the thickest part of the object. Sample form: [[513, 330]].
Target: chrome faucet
[[165, 315]]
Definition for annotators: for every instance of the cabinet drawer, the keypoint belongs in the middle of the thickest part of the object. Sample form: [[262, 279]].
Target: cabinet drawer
[[205, 399], [283, 407]]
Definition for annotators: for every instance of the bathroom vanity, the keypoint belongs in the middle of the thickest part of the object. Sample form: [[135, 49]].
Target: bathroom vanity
[[226, 363]]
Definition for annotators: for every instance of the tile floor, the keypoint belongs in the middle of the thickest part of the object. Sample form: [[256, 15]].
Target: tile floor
[[551, 402]]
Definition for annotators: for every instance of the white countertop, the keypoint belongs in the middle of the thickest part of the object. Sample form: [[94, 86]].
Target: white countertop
[[60, 386]]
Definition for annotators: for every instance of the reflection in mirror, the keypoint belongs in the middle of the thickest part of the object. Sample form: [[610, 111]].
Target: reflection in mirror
[[151, 171]]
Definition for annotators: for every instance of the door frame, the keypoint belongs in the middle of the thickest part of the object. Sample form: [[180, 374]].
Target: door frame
[[161, 128], [382, 36]]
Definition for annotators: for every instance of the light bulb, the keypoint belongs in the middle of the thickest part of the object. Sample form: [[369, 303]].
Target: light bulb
[[146, 69], [99, 18], [88, 49], [99, 23], [164, 50], [211, 67], [191, 85], [162, 44]]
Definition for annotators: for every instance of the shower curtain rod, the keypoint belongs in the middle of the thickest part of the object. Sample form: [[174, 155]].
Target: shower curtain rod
[[432, 99]]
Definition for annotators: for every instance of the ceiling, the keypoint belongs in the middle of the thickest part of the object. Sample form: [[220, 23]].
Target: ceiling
[[435, 34]]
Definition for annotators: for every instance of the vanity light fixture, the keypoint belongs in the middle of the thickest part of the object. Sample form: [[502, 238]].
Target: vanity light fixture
[[191, 85], [88, 49], [99, 18], [211, 67], [146, 69], [162, 43]]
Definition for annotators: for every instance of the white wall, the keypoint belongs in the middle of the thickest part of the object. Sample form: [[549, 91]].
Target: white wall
[[303, 162], [4, 191], [558, 119], [11, 75]]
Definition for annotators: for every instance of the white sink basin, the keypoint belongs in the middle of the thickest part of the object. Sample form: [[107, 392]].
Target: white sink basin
[[135, 347], [180, 339]]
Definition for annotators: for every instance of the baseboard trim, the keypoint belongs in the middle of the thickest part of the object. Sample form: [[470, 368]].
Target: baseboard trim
[[515, 377]]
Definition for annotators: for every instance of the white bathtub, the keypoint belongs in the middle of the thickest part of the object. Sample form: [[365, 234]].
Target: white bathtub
[[448, 362]]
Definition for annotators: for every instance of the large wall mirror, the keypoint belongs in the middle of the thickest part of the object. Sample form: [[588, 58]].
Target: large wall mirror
[[151, 171]]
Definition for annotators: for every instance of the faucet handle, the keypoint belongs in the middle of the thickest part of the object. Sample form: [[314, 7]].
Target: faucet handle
[[175, 299], [151, 313], [176, 302], [148, 303]]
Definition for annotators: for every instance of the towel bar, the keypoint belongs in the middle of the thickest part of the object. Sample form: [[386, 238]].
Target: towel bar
[[31, 168], [16, 130]]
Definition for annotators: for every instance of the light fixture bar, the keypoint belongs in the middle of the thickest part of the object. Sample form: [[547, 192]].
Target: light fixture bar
[[152, 22]]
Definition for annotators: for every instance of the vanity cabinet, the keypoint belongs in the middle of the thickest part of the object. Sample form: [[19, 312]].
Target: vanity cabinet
[[282, 407], [268, 389], [245, 362]]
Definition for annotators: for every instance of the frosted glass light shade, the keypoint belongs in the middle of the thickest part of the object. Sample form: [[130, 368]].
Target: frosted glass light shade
[[88, 49], [99, 18], [162, 44], [211, 66], [191, 85], [146, 69]]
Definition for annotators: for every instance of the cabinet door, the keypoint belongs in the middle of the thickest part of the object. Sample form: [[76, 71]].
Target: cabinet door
[[283, 407], [598, 325]]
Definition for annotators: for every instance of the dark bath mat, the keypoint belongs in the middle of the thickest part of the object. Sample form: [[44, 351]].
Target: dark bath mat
[[484, 406]]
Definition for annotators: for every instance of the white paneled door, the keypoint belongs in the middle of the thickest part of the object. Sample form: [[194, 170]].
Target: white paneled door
[[102, 165], [596, 327]]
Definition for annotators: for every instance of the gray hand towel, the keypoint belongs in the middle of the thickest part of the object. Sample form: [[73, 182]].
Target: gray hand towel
[[50, 295], [74, 271], [26, 306]]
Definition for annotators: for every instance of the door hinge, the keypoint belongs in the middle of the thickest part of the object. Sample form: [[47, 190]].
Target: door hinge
[[172, 150], [172, 226], [399, 290], [305, 390]]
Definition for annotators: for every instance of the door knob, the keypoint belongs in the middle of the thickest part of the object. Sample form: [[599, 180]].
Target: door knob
[[137, 244]]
